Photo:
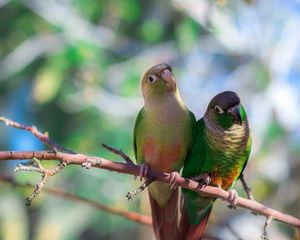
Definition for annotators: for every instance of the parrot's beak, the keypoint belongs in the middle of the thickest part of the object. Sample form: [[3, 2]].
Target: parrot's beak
[[235, 114], [168, 77]]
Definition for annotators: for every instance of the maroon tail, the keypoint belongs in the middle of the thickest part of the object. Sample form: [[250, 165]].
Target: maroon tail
[[190, 231], [165, 219]]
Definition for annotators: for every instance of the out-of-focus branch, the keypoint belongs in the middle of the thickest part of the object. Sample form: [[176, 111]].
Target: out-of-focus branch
[[76, 27], [132, 169], [132, 216], [101, 99], [28, 51], [3, 2]]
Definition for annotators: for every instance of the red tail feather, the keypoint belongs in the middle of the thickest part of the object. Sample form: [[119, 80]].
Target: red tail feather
[[165, 219], [192, 231]]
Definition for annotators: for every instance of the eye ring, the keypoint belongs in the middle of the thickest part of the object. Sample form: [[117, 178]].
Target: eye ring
[[219, 110], [151, 78]]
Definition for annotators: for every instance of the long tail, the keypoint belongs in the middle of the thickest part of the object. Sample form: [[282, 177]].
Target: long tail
[[189, 231], [165, 219]]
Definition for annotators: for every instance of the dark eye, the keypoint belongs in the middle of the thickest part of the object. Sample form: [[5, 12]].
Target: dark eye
[[218, 109], [151, 78]]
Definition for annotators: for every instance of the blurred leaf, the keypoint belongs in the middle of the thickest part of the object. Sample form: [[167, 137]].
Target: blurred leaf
[[47, 85], [152, 30], [187, 33], [129, 9]]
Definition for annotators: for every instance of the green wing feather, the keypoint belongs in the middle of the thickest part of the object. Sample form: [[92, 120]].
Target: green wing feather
[[195, 159], [137, 124], [247, 153], [196, 206]]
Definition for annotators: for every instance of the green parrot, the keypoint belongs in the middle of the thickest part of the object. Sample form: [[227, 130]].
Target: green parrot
[[163, 137], [221, 151]]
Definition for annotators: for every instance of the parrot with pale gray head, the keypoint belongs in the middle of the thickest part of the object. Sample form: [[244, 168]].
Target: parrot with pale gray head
[[221, 151], [163, 138]]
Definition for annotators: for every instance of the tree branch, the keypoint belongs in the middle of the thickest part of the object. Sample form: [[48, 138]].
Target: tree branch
[[79, 159], [130, 168]]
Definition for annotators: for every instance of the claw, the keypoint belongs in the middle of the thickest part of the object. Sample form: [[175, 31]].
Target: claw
[[233, 198], [144, 168], [174, 177], [203, 180]]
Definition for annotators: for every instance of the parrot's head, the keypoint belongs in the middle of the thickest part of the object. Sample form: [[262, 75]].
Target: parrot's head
[[158, 81], [225, 109]]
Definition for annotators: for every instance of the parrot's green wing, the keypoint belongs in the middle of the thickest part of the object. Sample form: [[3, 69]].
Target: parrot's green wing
[[194, 134], [247, 153], [137, 124], [195, 159]]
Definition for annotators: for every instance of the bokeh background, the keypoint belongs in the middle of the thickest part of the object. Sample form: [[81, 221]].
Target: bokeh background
[[73, 67]]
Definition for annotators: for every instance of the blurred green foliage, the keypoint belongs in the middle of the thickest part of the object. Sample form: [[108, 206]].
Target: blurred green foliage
[[72, 68]]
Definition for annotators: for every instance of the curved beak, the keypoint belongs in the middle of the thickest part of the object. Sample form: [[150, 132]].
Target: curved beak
[[235, 114], [167, 76]]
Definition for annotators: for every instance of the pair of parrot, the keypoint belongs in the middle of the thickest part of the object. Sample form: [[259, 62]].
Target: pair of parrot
[[167, 137]]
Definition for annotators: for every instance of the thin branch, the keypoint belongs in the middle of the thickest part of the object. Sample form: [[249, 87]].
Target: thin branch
[[43, 137], [130, 195], [118, 152], [132, 216], [36, 166], [264, 235], [246, 188]]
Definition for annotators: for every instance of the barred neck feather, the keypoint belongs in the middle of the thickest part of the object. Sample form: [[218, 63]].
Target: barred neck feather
[[232, 139]]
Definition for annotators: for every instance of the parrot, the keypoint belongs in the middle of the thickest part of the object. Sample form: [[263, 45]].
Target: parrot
[[219, 156], [162, 139]]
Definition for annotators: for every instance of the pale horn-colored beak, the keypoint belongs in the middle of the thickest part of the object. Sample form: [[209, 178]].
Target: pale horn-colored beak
[[168, 77]]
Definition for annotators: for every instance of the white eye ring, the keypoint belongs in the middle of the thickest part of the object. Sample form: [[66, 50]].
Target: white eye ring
[[218, 109], [151, 78]]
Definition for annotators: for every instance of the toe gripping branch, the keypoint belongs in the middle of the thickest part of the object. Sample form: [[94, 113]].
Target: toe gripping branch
[[36, 166], [203, 180]]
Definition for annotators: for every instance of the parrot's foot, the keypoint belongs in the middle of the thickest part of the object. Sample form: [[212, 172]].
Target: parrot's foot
[[133, 193], [89, 162], [174, 177], [233, 198], [203, 180], [144, 169]]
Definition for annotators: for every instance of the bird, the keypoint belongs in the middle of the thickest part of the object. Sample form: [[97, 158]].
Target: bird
[[219, 156], [162, 139]]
